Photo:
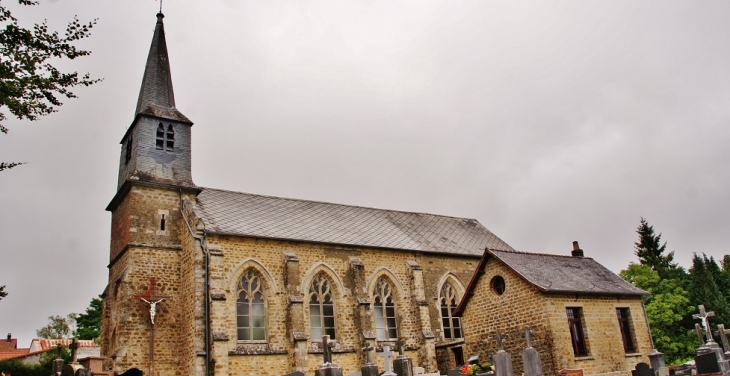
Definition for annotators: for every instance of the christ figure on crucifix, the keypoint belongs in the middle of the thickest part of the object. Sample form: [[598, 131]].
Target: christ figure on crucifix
[[153, 308]]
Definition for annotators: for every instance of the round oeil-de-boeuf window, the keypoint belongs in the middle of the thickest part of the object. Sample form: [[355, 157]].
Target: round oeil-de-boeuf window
[[497, 285]]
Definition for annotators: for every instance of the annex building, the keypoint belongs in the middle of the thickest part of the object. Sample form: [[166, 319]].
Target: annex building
[[204, 280]]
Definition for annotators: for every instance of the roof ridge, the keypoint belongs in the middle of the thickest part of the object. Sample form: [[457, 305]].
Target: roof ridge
[[338, 204], [539, 254]]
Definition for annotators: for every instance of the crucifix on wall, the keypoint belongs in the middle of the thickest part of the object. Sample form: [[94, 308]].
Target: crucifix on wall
[[152, 298]]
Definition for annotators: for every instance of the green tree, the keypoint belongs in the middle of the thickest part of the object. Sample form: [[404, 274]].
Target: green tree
[[706, 282], [58, 327], [2, 292], [666, 308], [30, 85], [88, 324], [650, 251]]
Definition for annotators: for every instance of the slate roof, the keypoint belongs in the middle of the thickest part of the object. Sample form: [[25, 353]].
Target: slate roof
[[156, 97], [558, 273], [554, 274], [244, 214]]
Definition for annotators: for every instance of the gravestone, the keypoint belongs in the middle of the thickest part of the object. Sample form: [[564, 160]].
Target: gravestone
[[296, 373], [57, 367], [530, 357], [710, 349], [369, 368], [642, 369], [83, 372], [502, 360], [683, 370], [386, 354], [74, 346], [722, 332], [402, 365], [656, 360], [707, 363], [328, 368], [132, 372]]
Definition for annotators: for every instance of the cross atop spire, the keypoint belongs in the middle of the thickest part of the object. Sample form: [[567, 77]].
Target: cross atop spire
[[156, 96]]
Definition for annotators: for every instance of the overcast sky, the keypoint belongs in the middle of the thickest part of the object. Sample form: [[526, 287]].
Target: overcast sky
[[546, 121]]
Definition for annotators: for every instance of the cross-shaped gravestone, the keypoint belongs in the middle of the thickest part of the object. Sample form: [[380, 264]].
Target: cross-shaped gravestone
[[705, 316], [386, 354], [401, 347], [722, 332], [327, 349], [528, 335], [74, 346], [499, 337], [698, 331], [368, 353]]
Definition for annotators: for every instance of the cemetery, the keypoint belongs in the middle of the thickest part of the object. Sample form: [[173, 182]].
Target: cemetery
[[711, 359]]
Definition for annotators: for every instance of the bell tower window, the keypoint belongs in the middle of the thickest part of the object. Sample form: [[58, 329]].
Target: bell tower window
[[128, 152], [165, 139], [160, 136], [170, 139]]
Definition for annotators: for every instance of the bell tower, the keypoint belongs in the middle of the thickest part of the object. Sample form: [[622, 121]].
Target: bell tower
[[156, 147], [147, 228]]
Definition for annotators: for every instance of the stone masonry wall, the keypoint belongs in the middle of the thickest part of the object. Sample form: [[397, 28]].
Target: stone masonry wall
[[521, 304], [602, 333], [267, 259], [142, 249]]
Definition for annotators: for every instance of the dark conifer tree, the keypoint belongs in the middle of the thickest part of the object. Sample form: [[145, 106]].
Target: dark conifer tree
[[650, 251], [705, 288]]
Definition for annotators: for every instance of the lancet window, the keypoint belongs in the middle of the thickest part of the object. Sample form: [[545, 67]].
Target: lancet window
[[321, 309], [251, 308], [384, 311], [449, 300]]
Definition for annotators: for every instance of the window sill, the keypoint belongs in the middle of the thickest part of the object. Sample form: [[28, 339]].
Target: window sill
[[630, 355], [580, 358]]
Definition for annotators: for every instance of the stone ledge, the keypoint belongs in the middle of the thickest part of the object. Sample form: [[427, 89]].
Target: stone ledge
[[256, 349], [215, 252], [217, 296], [299, 336], [220, 337], [363, 301]]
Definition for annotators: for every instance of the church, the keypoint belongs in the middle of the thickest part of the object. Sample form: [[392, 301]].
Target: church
[[209, 281]]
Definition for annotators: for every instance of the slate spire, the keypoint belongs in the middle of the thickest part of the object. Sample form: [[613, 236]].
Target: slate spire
[[156, 96]]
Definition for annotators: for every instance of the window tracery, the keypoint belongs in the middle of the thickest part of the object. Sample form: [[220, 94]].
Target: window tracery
[[251, 308]]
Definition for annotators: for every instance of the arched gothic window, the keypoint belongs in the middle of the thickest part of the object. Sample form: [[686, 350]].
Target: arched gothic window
[[448, 301], [165, 140], [250, 309], [384, 311], [321, 309]]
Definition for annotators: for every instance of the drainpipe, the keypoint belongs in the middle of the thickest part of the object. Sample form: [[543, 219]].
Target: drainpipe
[[206, 307]]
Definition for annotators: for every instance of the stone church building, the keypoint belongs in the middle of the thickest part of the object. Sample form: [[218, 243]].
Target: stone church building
[[205, 280]]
